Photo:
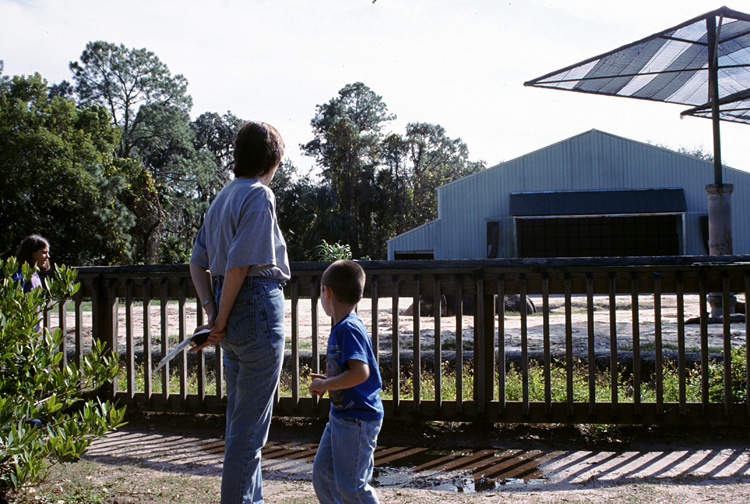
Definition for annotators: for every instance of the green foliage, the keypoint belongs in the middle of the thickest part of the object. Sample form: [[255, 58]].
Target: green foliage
[[380, 184], [44, 415], [185, 163], [59, 177], [737, 375], [123, 80], [332, 251], [415, 165]]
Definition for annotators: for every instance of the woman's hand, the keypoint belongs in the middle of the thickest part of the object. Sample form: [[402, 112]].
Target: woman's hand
[[214, 337]]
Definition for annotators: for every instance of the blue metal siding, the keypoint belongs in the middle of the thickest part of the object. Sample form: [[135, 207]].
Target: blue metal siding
[[422, 238], [591, 161]]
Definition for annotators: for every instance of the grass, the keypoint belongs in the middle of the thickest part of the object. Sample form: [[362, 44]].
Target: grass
[[514, 380]]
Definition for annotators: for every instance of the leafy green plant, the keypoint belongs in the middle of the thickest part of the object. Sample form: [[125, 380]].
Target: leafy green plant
[[737, 377], [332, 251], [48, 412]]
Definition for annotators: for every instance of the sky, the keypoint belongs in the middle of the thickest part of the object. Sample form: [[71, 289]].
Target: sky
[[459, 64]]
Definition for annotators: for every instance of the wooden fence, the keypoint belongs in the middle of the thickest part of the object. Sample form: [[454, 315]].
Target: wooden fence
[[574, 361]]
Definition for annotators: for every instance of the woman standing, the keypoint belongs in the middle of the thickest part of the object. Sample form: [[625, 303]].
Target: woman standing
[[33, 250], [240, 248]]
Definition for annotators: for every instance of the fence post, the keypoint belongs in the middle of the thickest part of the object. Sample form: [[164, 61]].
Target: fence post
[[104, 323], [484, 348]]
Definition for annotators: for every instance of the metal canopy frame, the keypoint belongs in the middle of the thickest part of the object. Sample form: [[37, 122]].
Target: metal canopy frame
[[703, 62]]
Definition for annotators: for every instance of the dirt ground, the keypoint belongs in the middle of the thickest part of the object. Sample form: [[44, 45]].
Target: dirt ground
[[166, 458], [449, 325]]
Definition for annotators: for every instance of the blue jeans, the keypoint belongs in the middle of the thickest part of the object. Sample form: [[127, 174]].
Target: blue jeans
[[253, 353], [344, 461]]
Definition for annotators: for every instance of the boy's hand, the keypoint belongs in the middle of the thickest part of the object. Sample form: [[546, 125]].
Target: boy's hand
[[317, 387]]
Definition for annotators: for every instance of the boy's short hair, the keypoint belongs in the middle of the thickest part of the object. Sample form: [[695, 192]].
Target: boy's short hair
[[346, 279], [28, 246], [258, 147]]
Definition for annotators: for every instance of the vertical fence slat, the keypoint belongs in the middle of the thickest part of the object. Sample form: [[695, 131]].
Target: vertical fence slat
[[484, 378], [147, 338], [501, 342], [201, 355], [459, 344], [163, 301], [591, 341], [182, 332], [568, 344], [395, 346], [219, 373], [658, 364], [295, 341], [62, 320], [747, 345], [524, 344], [546, 343], [704, 340], [111, 335], [374, 317], [315, 332], [438, 357], [727, 339], [129, 339], [681, 361], [613, 364], [416, 347], [634, 293], [78, 300]]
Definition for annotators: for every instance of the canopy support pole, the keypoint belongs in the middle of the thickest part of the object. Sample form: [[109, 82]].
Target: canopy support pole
[[719, 194], [713, 94]]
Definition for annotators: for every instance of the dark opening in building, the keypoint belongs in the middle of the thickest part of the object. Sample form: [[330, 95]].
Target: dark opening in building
[[419, 255], [599, 223]]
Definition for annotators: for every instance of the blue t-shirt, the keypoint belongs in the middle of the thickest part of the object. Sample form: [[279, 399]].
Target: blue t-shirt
[[349, 340], [33, 283]]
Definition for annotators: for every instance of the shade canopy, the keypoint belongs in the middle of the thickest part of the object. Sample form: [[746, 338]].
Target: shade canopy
[[670, 66], [703, 62], [735, 108]]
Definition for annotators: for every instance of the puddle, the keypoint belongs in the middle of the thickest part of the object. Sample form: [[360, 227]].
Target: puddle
[[463, 471]]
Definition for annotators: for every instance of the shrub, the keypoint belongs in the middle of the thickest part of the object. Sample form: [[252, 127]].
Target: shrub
[[48, 412]]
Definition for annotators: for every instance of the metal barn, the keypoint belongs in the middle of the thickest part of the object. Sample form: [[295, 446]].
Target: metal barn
[[592, 195]]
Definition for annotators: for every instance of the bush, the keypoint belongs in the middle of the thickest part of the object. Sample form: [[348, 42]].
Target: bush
[[48, 412]]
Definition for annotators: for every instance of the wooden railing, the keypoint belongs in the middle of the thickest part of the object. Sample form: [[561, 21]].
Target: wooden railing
[[443, 366]]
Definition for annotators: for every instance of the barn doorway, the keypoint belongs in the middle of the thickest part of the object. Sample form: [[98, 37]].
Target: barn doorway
[[602, 223], [601, 236]]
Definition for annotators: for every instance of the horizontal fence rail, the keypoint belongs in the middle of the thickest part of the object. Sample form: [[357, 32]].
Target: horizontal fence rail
[[615, 340]]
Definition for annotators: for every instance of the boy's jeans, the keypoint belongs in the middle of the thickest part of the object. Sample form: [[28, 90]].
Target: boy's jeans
[[253, 353], [344, 462]]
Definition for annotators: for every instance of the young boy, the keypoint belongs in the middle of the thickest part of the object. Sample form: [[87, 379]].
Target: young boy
[[344, 461]]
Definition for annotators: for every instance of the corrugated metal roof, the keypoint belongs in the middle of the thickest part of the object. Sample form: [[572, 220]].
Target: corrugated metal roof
[[635, 201]]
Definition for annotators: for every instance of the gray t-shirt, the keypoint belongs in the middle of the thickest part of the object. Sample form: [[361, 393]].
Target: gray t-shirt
[[240, 229]]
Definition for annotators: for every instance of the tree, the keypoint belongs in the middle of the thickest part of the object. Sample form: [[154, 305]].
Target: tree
[[43, 414], [123, 80], [414, 166], [214, 134], [58, 175], [435, 159], [346, 144], [152, 106]]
